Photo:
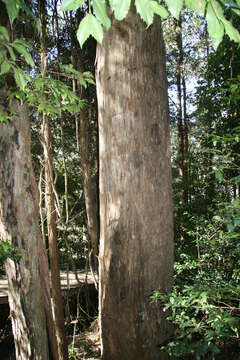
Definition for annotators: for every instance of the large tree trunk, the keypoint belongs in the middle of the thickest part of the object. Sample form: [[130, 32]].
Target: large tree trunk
[[19, 225], [136, 239]]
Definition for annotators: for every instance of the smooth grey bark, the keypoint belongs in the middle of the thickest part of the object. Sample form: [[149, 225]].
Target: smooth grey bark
[[136, 221], [19, 226]]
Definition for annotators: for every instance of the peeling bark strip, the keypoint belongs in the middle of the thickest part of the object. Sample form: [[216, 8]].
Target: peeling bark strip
[[19, 225], [136, 240]]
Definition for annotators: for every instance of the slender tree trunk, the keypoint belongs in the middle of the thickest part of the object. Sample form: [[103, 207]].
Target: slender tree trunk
[[19, 225], [90, 185], [179, 103], [88, 154], [51, 209], [185, 135], [136, 240]]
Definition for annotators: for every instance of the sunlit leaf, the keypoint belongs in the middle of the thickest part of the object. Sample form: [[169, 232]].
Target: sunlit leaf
[[232, 32], [145, 11], [120, 8], [5, 67], [159, 9], [68, 5], [89, 26], [174, 6], [196, 5], [215, 26], [99, 7]]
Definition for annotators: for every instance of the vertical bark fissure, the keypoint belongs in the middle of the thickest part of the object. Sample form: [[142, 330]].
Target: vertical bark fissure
[[136, 239], [19, 225]]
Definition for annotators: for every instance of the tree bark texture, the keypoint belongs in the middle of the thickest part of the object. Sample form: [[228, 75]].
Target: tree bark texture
[[52, 242], [58, 316], [88, 149], [19, 225], [90, 185], [136, 237]]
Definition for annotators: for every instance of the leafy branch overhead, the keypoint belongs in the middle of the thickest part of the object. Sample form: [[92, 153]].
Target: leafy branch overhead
[[97, 17]]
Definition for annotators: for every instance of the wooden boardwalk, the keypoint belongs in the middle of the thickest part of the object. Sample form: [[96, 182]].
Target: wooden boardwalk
[[73, 283]]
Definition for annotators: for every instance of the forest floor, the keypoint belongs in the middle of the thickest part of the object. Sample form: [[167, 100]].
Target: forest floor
[[86, 344]]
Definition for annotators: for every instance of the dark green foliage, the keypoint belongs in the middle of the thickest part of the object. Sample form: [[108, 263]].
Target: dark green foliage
[[204, 305], [8, 251]]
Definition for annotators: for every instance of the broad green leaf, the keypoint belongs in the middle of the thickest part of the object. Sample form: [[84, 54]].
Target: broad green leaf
[[236, 11], [13, 7], [174, 6], [89, 26], [145, 11], [5, 67], [11, 52], [196, 5], [232, 31], [68, 5], [99, 8], [18, 45], [19, 78], [4, 33], [229, 28], [120, 8], [159, 9], [215, 26]]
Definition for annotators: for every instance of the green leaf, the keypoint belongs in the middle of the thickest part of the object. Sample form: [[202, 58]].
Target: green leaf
[[159, 9], [236, 11], [215, 27], [120, 8], [11, 52], [232, 32], [20, 46], [19, 78], [219, 176], [196, 5], [99, 8], [145, 11], [174, 6], [89, 26], [5, 67], [4, 33], [13, 7], [68, 5]]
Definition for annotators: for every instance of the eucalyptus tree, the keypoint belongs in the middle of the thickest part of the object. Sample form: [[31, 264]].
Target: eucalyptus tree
[[28, 286], [136, 241]]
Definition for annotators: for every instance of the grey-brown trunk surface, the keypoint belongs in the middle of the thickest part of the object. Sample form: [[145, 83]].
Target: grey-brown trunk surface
[[19, 225], [136, 236]]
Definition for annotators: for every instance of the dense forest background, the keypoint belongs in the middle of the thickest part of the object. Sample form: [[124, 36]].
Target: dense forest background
[[204, 93]]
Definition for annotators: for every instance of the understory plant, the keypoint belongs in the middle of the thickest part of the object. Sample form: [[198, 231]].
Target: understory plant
[[204, 305]]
